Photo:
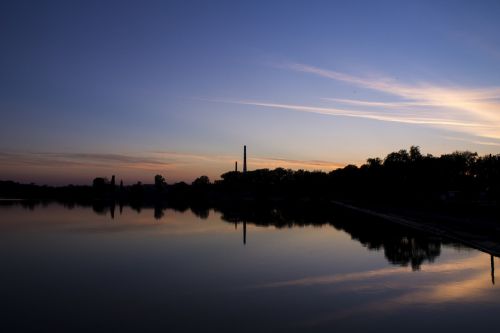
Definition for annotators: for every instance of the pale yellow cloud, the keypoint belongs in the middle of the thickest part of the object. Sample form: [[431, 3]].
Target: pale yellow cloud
[[473, 111], [478, 142], [389, 105], [449, 123]]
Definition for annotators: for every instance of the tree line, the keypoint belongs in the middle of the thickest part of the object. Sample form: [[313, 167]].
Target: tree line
[[402, 176]]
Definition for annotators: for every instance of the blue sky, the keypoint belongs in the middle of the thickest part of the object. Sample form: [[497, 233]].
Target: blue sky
[[137, 88]]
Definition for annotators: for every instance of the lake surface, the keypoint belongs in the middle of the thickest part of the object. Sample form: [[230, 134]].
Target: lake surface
[[90, 269]]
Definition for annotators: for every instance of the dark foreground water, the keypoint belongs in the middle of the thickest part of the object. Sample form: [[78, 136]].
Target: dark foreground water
[[73, 270]]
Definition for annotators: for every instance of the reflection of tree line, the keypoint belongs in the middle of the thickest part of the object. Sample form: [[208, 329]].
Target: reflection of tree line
[[402, 246]]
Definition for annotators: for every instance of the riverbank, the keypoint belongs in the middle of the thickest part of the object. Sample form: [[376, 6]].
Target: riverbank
[[479, 234]]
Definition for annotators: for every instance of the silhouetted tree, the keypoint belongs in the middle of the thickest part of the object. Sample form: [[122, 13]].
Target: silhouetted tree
[[415, 154], [137, 191], [374, 162], [160, 183], [100, 186], [100, 182], [201, 181]]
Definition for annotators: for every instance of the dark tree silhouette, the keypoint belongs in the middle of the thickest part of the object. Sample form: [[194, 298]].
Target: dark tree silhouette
[[202, 181], [160, 182]]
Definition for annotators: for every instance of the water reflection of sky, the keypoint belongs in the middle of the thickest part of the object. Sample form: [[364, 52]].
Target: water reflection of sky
[[118, 273]]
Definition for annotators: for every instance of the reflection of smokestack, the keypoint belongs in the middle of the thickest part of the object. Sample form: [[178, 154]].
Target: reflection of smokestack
[[244, 232], [492, 270], [244, 159]]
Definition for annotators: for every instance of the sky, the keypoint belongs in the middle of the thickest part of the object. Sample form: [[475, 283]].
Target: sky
[[137, 88]]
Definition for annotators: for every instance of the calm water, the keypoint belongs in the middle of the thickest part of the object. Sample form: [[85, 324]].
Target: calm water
[[81, 270]]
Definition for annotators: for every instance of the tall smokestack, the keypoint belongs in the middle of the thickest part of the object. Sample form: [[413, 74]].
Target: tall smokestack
[[244, 159], [235, 166]]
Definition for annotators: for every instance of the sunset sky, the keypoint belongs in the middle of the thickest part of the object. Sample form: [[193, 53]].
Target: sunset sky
[[136, 88]]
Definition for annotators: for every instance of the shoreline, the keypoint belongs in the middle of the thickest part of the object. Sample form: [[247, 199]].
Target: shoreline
[[478, 241]]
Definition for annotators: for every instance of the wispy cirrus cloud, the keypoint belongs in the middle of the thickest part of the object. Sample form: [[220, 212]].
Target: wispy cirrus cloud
[[421, 93], [51, 159], [390, 105], [479, 142], [141, 166], [255, 161], [153, 159], [471, 111], [263, 162], [480, 105], [79, 167]]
